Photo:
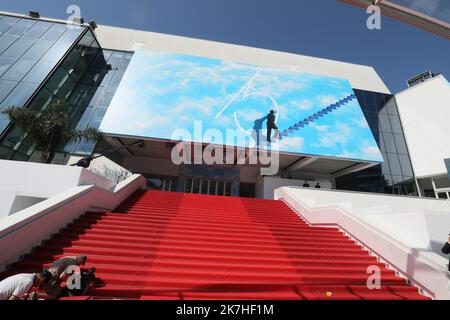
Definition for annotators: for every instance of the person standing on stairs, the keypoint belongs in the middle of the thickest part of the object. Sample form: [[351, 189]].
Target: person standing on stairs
[[446, 250], [271, 125]]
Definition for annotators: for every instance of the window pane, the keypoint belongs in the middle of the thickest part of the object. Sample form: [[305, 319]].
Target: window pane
[[400, 143], [39, 72], [394, 164], [196, 187], [6, 23], [406, 165], [5, 64], [5, 88], [54, 32], [228, 189], [57, 51], [389, 142], [212, 188], [384, 123], [38, 30], [6, 42], [204, 187], [71, 35], [20, 95], [19, 47], [396, 126], [38, 49], [188, 186], [19, 70], [20, 27], [221, 188], [42, 100]]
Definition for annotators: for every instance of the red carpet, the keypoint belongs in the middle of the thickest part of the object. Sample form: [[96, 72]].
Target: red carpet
[[160, 245]]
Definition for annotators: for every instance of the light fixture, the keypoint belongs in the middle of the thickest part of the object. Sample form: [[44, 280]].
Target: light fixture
[[93, 24], [34, 14], [78, 20]]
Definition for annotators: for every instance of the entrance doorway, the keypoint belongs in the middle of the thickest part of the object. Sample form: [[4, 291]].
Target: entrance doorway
[[209, 187]]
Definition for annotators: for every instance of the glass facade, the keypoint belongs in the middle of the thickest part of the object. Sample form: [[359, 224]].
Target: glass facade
[[101, 81], [29, 50], [86, 79], [395, 175]]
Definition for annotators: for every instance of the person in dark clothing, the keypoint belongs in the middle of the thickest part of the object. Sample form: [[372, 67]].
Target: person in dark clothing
[[306, 184], [446, 250], [318, 186], [271, 125]]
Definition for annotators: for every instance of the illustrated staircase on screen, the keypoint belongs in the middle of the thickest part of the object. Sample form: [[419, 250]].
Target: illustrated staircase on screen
[[160, 245], [316, 116]]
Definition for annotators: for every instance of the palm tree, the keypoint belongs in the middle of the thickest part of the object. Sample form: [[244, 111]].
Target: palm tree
[[47, 131]]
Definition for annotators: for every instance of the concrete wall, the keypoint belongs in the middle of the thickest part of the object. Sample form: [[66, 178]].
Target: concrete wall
[[425, 115], [25, 180], [361, 77]]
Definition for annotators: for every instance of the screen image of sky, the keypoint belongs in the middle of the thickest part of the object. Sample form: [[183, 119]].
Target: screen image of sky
[[162, 93]]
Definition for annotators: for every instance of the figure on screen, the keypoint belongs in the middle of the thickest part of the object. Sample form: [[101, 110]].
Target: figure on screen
[[271, 125]]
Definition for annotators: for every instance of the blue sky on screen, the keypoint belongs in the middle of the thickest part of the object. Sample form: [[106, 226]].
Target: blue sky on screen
[[161, 93]]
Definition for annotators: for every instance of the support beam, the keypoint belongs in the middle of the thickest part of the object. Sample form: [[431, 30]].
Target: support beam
[[301, 164], [355, 168]]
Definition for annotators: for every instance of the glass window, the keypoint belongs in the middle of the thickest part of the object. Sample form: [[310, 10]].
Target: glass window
[[78, 69], [38, 49], [6, 42], [19, 47], [80, 95], [20, 95], [228, 189], [20, 27], [66, 88], [212, 187], [55, 31], [19, 70], [400, 143], [196, 186], [396, 125], [392, 107], [6, 23], [385, 125], [5, 88], [43, 99], [39, 72], [5, 64], [221, 188], [406, 165], [204, 189], [385, 168], [57, 51], [71, 35], [188, 186], [394, 164], [116, 59], [389, 142], [115, 81], [38, 30], [85, 119]]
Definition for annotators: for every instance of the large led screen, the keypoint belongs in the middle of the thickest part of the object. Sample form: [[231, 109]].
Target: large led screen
[[316, 115]]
